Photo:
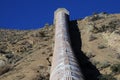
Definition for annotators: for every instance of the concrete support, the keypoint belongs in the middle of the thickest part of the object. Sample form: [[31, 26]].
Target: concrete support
[[64, 63]]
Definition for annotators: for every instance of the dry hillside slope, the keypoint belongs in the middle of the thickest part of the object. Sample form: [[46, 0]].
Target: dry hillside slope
[[26, 55]]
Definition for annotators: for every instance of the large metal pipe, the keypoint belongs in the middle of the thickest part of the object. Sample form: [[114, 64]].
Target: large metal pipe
[[64, 63]]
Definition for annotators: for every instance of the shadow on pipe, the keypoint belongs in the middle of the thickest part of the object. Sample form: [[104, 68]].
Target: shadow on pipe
[[89, 71]]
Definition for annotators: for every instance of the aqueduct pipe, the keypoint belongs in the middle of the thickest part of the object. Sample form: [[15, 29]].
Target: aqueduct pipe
[[64, 63]]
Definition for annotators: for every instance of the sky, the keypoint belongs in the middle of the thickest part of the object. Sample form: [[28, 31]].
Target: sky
[[34, 14]]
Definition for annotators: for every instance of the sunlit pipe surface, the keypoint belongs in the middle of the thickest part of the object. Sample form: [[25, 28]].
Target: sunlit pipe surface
[[64, 63]]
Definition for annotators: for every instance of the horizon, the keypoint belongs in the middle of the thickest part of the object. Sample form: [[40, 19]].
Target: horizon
[[34, 14]]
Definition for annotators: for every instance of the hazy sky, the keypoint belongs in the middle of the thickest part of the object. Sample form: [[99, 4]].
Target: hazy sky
[[33, 14]]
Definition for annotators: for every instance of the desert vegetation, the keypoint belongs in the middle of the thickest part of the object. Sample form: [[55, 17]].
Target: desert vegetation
[[27, 55]]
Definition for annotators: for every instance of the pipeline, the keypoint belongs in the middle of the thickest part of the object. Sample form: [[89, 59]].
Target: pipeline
[[64, 63]]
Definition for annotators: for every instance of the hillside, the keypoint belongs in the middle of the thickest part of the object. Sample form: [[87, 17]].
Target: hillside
[[27, 55]]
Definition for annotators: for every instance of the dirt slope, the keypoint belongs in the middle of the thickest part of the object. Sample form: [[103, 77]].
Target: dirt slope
[[100, 42], [26, 55], [33, 51]]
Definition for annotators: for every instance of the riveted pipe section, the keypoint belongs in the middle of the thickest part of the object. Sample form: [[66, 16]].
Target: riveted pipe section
[[64, 63]]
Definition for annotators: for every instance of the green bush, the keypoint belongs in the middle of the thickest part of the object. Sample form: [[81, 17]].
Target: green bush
[[115, 68], [101, 46], [106, 77]]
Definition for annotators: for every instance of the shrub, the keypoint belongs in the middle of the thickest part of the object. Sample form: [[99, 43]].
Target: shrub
[[106, 77], [105, 64], [4, 67], [42, 34], [90, 55], [117, 32], [115, 68], [117, 55], [91, 38], [42, 73], [111, 26], [94, 16], [101, 46], [46, 25], [94, 62]]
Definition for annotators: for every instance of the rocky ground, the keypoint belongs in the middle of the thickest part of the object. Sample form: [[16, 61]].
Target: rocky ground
[[100, 35], [27, 55]]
